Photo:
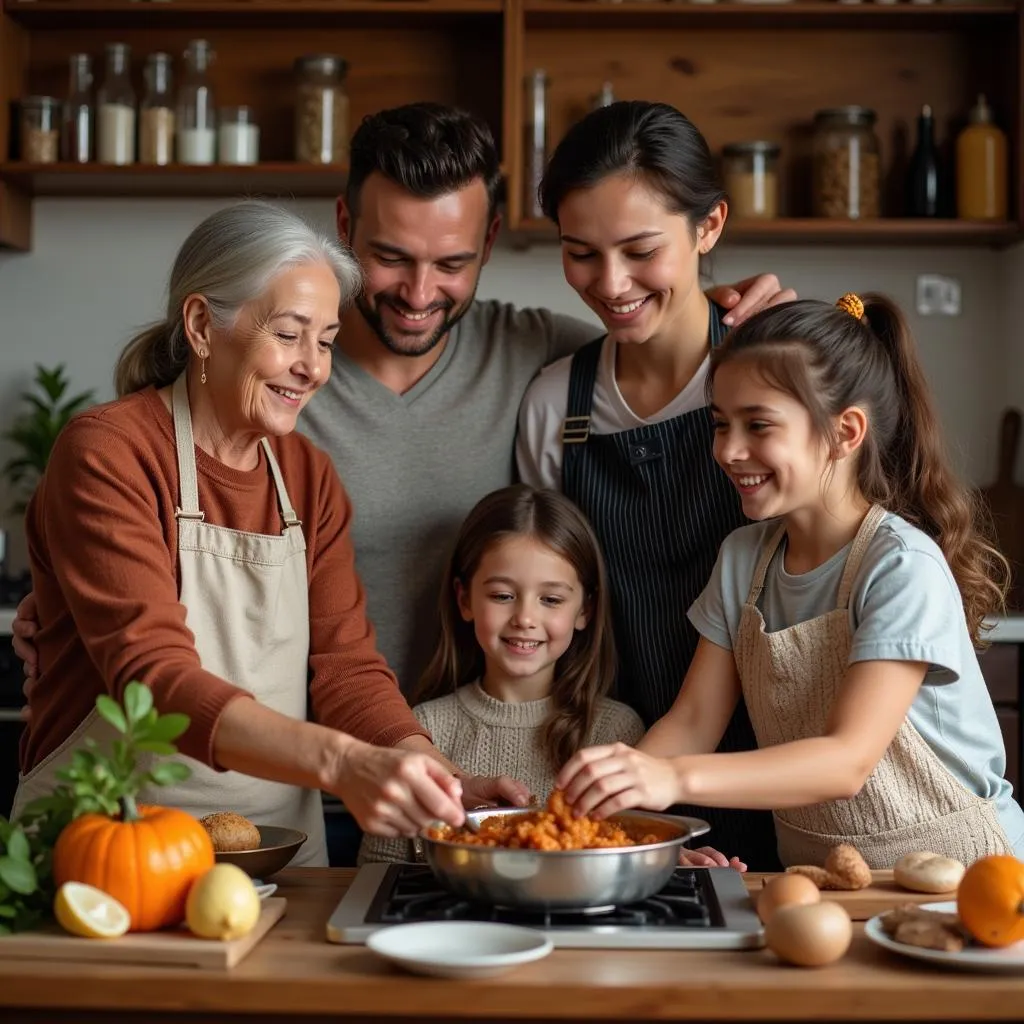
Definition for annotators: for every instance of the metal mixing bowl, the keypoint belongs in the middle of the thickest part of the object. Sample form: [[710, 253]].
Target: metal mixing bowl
[[562, 879]]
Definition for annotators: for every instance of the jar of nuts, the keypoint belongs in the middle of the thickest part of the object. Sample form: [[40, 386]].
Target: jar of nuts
[[321, 112], [847, 175], [40, 129]]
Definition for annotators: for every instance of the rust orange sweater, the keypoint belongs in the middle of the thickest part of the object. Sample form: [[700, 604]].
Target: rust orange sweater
[[103, 547]]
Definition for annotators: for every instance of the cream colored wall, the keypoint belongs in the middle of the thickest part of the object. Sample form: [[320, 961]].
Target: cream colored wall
[[98, 270]]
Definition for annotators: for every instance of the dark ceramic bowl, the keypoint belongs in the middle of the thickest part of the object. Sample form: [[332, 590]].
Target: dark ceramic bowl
[[277, 847]]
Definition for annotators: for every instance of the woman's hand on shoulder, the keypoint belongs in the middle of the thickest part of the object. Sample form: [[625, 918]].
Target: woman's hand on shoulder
[[602, 780], [393, 792], [745, 298]]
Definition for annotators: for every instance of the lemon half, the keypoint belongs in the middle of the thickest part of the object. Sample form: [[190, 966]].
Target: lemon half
[[90, 912]]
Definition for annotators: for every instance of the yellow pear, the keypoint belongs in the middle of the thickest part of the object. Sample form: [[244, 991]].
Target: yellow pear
[[222, 903]]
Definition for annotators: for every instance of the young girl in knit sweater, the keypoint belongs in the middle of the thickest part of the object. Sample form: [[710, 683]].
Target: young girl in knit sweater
[[846, 615], [518, 682]]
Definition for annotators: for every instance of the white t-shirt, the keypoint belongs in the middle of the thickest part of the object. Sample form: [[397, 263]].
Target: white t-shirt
[[539, 443]]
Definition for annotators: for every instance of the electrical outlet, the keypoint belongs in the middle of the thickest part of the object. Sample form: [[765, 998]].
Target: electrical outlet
[[938, 295]]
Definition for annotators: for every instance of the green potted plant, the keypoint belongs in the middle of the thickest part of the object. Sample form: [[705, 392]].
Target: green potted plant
[[35, 431]]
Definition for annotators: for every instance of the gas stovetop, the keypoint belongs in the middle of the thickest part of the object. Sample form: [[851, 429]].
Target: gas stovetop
[[707, 908]]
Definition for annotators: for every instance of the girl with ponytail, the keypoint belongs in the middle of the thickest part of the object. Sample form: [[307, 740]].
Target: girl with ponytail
[[847, 615]]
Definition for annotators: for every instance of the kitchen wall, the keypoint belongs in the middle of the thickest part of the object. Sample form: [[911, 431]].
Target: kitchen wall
[[98, 269]]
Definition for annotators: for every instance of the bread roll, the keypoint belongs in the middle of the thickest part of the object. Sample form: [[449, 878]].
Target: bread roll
[[928, 872], [230, 832]]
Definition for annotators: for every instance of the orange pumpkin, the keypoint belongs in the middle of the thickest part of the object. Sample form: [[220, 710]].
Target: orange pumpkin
[[148, 864], [990, 900]]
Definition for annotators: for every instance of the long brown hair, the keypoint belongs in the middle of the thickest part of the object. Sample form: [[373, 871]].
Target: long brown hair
[[829, 360], [585, 672]]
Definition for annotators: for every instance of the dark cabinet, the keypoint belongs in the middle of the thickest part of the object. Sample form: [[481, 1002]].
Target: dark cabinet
[[1001, 665]]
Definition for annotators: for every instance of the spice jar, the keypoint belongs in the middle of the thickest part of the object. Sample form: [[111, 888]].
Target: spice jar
[[115, 102], [321, 113], [156, 114], [846, 164], [238, 136], [751, 179], [40, 129]]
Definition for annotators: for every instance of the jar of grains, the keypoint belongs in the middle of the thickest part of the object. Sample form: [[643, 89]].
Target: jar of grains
[[751, 179], [847, 174], [321, 111], [40, 129]]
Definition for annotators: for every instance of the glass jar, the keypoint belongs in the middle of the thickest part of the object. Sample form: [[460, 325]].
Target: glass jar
[[156, 113], [750, 172], [78, 112], [40, 129], [196, 120], [238, 136], [115, 136], [321, 113], [847, 174]]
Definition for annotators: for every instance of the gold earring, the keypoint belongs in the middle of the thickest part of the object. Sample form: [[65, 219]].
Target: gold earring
[[202, 371]]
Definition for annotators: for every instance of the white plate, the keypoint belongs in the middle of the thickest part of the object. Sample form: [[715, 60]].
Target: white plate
[[1010, 958], [459, 949]]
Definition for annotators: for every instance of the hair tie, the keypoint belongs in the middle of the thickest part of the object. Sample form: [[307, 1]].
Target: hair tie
[[852, 304]]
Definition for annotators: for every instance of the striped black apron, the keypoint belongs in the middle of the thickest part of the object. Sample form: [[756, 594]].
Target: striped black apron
[[660, 506]]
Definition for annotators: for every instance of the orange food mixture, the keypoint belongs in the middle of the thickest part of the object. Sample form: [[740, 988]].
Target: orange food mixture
[[552, 829]]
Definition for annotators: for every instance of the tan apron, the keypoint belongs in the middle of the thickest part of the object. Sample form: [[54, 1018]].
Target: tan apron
[[911, 801], [247, 603]]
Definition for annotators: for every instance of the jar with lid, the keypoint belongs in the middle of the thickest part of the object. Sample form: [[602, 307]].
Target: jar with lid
[[238, 136], [536, 142], [847, 174], [196, 116], [40, 129], [115, 137], [79, 117], [321, 112], [750, 174], [156, 114]]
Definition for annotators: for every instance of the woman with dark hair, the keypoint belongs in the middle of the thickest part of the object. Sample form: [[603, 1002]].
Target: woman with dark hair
[[623, 427]]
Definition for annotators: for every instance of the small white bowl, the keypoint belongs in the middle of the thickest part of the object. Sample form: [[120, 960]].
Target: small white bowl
[[459, 949]]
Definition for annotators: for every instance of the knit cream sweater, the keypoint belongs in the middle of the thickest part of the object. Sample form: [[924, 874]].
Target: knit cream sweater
[[488, 737]]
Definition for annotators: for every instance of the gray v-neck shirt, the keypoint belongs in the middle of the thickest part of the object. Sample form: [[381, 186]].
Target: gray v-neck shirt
[[415, 464]]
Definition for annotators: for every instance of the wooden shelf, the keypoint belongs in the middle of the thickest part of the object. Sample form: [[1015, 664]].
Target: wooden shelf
[[176, 180], [43, 14], [798, 14], [813, 231]]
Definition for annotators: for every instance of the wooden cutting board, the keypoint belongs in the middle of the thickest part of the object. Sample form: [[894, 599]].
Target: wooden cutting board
[[168, 949], [883, 894], [1005, 499]]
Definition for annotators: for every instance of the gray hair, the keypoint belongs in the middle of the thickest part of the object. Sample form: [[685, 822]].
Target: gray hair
[[229, 259]]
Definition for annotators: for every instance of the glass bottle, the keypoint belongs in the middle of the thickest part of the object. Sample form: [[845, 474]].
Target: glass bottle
[[536, 140], [981, 167], [116, 105], [923, 177], [79, 117], [197, 119], [321, 112], [846, 164], [156, 113]]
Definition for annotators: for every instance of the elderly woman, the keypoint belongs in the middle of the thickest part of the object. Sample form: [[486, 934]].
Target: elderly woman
[[185, 535]]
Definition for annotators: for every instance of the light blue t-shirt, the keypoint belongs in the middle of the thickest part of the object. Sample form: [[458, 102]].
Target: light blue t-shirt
[[904, 606]]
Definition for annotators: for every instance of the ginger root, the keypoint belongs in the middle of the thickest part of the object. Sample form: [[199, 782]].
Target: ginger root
[[844, 868]]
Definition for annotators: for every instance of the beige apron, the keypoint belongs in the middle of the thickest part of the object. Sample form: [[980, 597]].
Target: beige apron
[[911, 801], [247, 602]]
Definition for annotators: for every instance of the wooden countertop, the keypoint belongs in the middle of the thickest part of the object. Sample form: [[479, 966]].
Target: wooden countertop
[[295, 974]]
